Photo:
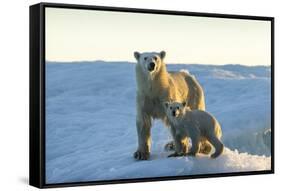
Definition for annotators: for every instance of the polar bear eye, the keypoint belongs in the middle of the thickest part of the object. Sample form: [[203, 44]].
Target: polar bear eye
[[155, 58], [171, 108], [178, 107], [145, 58]]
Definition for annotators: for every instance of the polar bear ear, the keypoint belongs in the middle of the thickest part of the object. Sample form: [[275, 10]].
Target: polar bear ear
[[162, 54], [184, 104], [137, 55]]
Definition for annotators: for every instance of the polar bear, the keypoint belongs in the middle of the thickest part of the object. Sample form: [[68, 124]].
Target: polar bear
[[156, 85], [196, 124]]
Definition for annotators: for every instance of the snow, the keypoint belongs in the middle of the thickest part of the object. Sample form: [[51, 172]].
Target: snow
[[90, 122]]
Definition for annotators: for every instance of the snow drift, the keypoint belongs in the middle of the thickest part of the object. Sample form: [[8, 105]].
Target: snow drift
[[90, 122]]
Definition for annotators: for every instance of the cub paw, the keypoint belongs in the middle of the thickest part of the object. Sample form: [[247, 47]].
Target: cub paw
[[170, 146], [176, 154]]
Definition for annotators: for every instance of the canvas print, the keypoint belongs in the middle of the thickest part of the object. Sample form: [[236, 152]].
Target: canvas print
[[142, 95]]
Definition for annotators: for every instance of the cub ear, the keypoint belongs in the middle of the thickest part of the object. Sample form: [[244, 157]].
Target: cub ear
[[166, 104], [137, 55], [184, 104], [162, 54]]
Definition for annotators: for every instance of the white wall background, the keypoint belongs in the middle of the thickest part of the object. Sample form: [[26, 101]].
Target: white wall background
[[14, 53]]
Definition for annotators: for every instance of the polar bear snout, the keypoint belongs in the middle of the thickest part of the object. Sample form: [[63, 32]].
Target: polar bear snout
[[151, 66], [174, 113]]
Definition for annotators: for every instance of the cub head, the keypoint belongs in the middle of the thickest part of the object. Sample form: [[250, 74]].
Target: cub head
[[174, 109], [150, 62]]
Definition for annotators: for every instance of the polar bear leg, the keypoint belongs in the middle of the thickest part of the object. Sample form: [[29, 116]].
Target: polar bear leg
[[195, 140], [144, 137], [217, 144], [180, 147], [182, 142]]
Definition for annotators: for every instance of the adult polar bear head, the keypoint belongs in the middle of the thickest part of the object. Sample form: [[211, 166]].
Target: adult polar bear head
[[150, 62]]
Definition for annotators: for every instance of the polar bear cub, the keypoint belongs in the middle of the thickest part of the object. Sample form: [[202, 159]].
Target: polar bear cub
[[198, 125]]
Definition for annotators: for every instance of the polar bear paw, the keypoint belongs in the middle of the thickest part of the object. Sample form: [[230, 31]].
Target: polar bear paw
[[139, 155]]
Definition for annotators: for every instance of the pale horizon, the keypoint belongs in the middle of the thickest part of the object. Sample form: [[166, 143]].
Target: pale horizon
[[134, 62], [74, 35]]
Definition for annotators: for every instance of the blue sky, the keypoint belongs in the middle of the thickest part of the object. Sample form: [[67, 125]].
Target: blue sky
[[76, 35]]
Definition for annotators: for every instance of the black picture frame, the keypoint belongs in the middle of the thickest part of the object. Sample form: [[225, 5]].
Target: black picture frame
[[37, 94]]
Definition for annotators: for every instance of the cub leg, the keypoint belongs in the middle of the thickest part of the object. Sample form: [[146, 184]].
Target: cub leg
[[180, 147], [195, 146], [180, 143], [218, 146]]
